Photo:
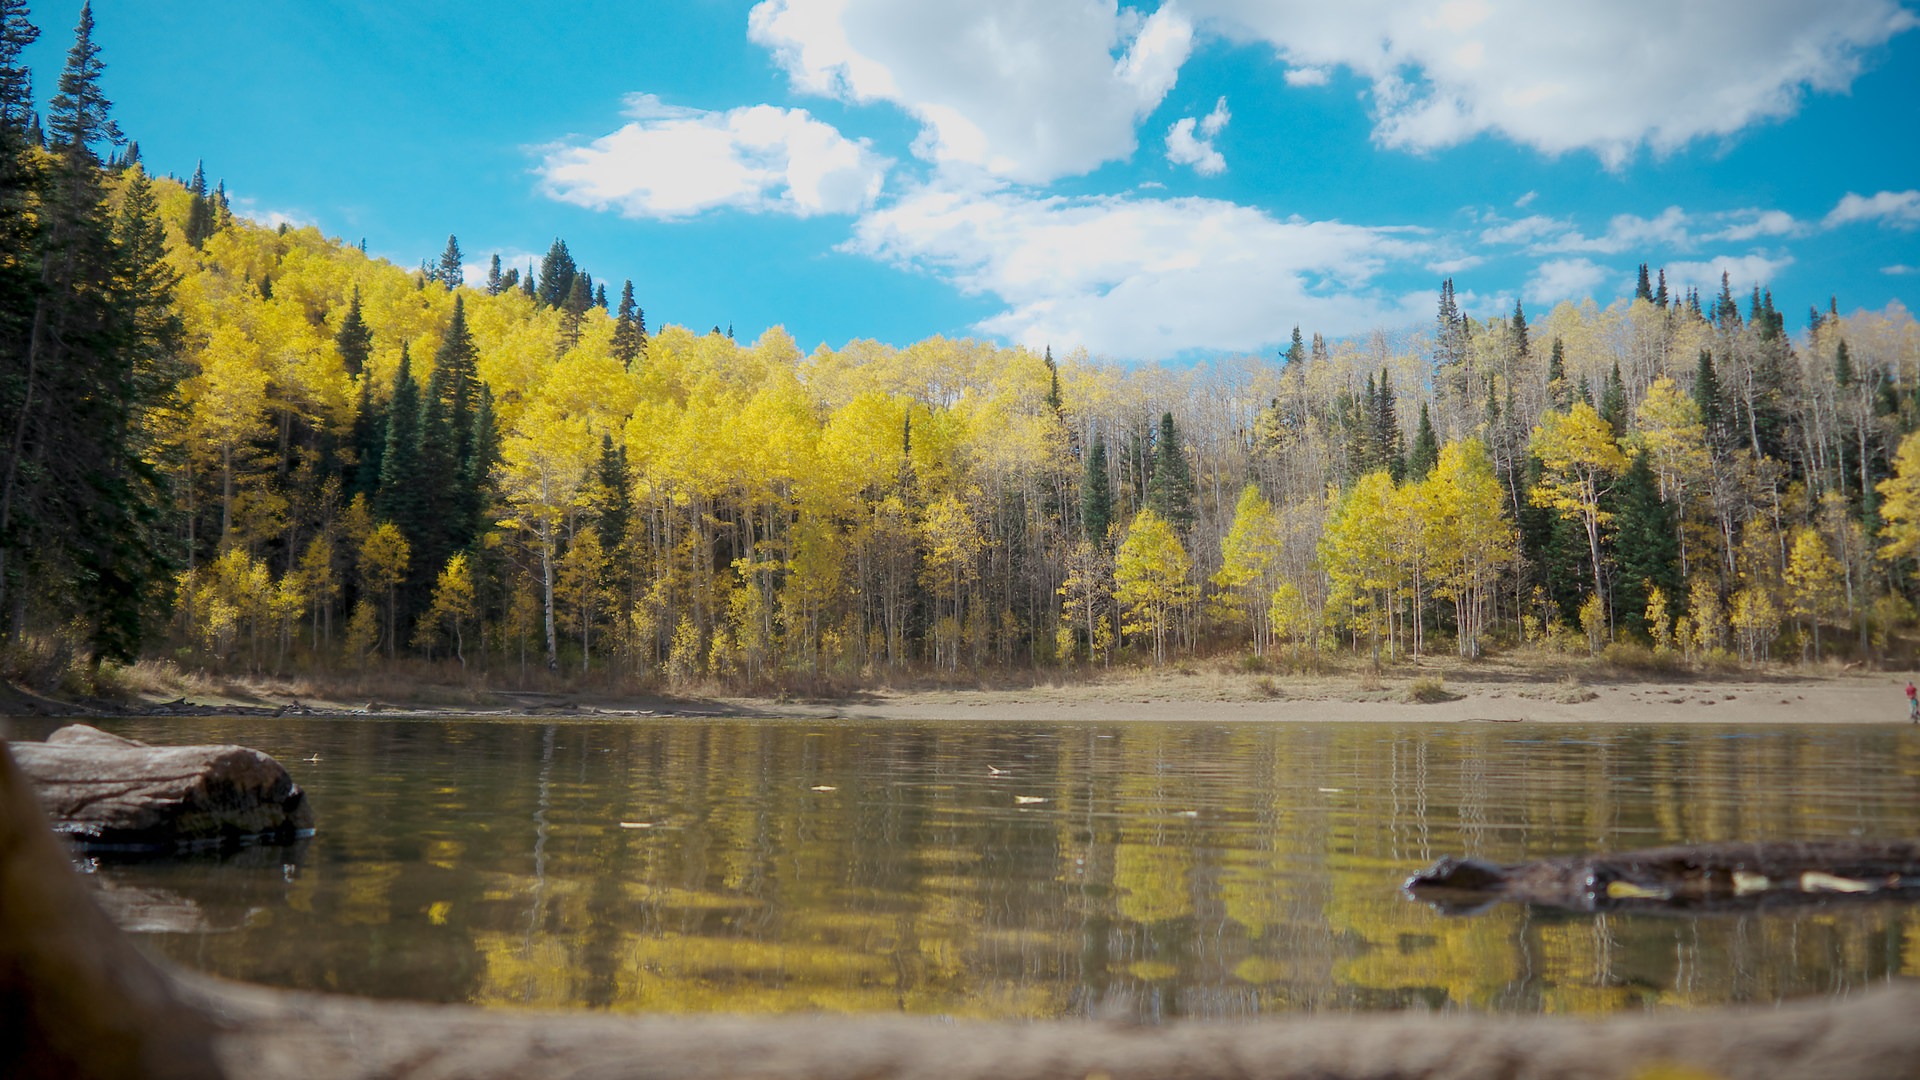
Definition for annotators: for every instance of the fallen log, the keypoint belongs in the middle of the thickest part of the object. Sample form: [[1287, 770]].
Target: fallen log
[[109, 794], [1693, 878]]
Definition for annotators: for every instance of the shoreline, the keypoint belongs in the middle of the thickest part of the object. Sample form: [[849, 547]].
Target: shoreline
[[1461, 696]]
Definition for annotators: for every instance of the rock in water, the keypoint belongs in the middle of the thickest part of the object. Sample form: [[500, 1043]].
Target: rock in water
[[110, 794]]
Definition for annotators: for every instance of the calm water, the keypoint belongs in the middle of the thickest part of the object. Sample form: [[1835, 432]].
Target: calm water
[[1150, 870]]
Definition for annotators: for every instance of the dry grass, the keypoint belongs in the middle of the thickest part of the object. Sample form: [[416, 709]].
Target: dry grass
[[1430, 690]]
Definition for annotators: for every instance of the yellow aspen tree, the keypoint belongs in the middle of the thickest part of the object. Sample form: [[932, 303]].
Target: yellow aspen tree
[[952, 543], [1756, 620], [229, 401], [1150, 579], [363, 632], [323, 586], [453, 605], [1709, 617], [582, 590], [1659, 620], [1250, 566], [1471, 540], [384, 558], [1674, 438], [1900, 505], [1580, 463], [1357, 553], [543, 471], [1085, 597], [1812, 580]]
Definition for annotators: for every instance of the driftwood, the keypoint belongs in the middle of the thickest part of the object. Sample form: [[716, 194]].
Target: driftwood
[[110, 794], [78, 1001], [1691, 878]]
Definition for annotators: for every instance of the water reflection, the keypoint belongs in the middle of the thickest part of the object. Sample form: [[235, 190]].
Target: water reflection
[[1152, 870]]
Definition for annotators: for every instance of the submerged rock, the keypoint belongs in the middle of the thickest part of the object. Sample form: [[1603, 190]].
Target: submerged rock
[[109, 794], [1685, 877]]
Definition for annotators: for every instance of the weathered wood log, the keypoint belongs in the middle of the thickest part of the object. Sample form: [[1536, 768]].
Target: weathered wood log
[[1683, 878], [110, 794], [77, 1000]]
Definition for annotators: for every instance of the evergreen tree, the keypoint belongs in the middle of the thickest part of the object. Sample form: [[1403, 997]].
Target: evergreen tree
[[1557, 376], [436, 482], [1613, 402], [1706, 396], [600, 297], [629, 329], [477, 470], [398, 497], [1296, 351], [528, 287], [1170, 489], [1053, 385], [1660, 292], [16, 79], [1646, 545], [199, 208], [616, 496], [1096, 494], [1522, 340], [458, 359], [556, 276], [1426, 448], [354, 340], [573, 311], [1644, 289], [1842, 366], [495, 283], [1386, 429], [451, 273], [369, 440]]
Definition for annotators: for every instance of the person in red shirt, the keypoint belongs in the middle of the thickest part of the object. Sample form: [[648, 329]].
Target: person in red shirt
[[1913, 702]]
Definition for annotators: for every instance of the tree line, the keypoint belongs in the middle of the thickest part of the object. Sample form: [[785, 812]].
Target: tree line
[[261, 448]]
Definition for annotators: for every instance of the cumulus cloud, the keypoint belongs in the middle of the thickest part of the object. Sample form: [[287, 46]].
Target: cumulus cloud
[[1572, 75], [1024, 91], [1900, 209], [1753, 224], [1186, 148], [1565, 279], [1743, 271], [1308, 76], [671, 162], [1142, 277]]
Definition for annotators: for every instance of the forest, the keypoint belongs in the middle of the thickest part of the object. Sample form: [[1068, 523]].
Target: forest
[[258, 449]]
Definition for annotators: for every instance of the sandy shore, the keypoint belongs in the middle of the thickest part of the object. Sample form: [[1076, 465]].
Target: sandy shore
[[1866, 699], [1466, 693]]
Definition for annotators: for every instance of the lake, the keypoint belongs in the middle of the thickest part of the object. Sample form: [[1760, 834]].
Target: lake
[[1147, 871]]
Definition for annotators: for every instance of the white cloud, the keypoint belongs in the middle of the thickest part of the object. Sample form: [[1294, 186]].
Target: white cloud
[[251, 209], [1900, 270], [1743, 272], [1145, 278], [1754, 224], [672, 162], [1308, 76], [1565, 279], [1630, 232], [1900, 209], [1525, 230], [1526, 200], [1572, 75], [1184, 148], [1025, 91]]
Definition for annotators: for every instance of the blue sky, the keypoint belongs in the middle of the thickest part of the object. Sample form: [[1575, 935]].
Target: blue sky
[[1148, 181]]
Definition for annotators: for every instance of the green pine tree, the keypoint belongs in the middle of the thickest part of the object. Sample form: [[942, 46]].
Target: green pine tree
[[1170, 488], [1096, 494], [1426, 448]]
